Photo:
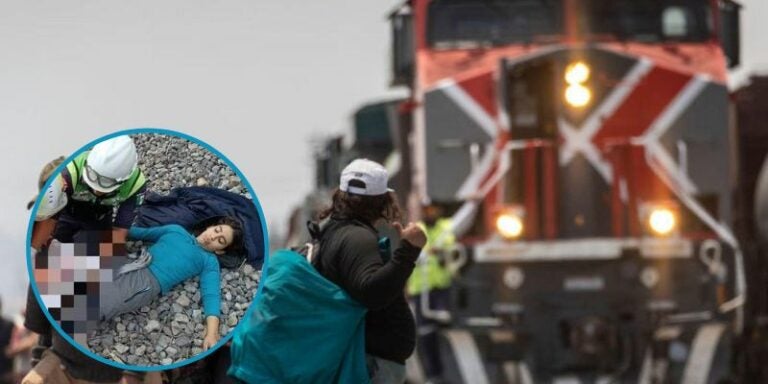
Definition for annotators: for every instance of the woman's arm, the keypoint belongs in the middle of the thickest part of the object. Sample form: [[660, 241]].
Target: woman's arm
[[211, 336], [366, 277], [210, 287]]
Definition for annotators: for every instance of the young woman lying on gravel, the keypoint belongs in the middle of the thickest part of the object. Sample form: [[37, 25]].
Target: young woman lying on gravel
[[175, 256]]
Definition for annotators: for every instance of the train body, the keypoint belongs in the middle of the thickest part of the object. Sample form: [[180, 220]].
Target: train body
[[585, 152]]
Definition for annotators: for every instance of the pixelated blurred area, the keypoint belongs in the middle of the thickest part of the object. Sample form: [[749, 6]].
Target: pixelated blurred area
[[71, 276]]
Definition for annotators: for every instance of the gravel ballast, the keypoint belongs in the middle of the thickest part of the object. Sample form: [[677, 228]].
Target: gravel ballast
[[171, 329]]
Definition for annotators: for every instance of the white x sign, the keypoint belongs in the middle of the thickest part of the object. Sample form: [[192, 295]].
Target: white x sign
[[580, 140]]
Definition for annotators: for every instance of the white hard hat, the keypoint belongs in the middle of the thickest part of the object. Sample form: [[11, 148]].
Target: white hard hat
[[110, 163], [54, 199]]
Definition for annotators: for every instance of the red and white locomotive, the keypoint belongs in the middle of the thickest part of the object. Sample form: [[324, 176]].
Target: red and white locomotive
[[585, 150]]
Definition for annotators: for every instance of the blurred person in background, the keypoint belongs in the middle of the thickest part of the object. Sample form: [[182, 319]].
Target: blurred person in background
[[22, 342], [428, 288], [6, 362]]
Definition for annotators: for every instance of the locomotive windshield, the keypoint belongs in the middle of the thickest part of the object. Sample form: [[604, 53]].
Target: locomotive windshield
[[470, 24], [475, 24], [646, 21]]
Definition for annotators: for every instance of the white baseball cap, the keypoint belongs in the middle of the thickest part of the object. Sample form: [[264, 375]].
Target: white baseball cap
[[364, 177]]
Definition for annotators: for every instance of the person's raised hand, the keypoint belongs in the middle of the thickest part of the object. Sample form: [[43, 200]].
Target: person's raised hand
[[412, 233]]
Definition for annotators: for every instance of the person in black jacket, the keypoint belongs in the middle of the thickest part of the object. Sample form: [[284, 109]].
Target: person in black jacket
[[353, 257]]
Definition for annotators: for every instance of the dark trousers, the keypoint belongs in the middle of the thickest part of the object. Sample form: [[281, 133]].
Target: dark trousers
[[427, 341]]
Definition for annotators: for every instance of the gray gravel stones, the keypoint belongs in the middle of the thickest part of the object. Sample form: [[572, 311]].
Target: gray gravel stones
[[121, 348], [183, 341], [171, 328], [183, 301], [170, 162], [152, 325]]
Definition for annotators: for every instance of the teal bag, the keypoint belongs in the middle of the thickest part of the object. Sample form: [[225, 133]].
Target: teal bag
[[303, 329]]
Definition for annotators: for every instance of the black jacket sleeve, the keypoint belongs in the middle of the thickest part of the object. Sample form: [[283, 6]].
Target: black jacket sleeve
[[127, 211], [364, 274], [35, 320]]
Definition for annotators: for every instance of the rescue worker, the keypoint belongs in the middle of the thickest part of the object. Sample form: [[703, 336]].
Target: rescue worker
[[430, 280], [59, 361], [104, 187], [96, 186]]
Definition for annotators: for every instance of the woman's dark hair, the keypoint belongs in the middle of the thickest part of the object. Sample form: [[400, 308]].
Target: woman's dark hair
[[364, 208], [237, 246]]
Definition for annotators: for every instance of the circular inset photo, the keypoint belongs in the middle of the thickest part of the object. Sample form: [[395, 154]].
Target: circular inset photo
[[145, 249]]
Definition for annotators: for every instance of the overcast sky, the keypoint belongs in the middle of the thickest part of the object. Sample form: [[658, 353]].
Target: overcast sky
[[256, 79]]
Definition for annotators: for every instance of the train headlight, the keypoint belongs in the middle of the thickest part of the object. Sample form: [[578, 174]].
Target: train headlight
[[577, 73], [509, 225], [662, 221], [577, 95]]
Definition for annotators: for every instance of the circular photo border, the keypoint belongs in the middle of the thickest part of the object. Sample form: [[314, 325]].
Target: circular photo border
[[226, 338]]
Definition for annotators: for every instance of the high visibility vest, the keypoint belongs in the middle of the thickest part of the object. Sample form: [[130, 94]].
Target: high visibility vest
[[429, 274], [81, 191]]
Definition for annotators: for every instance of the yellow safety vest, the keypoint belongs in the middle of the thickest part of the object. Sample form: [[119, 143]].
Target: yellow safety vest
[[81, 192], [429, 274]]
